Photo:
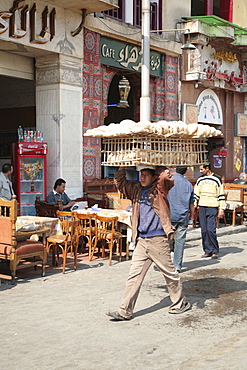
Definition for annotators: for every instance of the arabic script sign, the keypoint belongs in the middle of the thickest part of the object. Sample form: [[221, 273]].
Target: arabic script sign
[[20, 17], [121, 55]]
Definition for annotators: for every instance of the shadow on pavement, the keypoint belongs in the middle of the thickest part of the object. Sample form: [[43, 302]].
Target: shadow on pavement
[[165, 302], [30, 273], [226, 291], [201, 262], [230, 250], [198, 291]]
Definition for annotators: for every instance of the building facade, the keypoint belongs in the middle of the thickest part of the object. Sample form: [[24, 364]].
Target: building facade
[[213, 83], [58, 78], [112, 49], [62, 61], [212, 77], [41, 60]]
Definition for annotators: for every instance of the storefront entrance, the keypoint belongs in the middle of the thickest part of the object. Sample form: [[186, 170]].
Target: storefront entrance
[[17, 107]]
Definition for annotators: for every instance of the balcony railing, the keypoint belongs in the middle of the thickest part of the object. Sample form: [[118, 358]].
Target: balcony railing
[[197, 26]]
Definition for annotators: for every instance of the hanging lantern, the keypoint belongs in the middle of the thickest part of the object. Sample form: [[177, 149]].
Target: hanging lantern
[[124, 89]]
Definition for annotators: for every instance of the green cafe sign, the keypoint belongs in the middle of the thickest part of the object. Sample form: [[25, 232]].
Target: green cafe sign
[[121, 55]]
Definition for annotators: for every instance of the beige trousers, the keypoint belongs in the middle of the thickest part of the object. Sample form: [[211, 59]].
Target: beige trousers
[[148, 250]]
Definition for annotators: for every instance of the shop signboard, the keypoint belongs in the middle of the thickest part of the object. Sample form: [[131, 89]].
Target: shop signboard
[[190, 113], [209, 108], [127, 56], [240, 124], [34, 24]]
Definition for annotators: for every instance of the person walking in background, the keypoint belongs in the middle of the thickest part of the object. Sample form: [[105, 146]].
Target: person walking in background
[[181, 200], [59, 193], [6, 189], [151, 231], [209, 196]]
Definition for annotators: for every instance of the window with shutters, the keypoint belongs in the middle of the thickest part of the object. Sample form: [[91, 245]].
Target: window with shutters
[[221, 8], [120, 13], [155, 14]]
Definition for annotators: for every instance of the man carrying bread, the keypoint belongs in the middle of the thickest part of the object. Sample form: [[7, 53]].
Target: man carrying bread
[[151, 231]]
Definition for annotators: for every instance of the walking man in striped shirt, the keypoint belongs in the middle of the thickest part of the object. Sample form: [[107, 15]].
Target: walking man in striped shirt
[[209, 196]]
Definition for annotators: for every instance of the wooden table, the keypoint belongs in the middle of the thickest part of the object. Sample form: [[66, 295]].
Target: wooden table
[[49, 223], [34, 235]]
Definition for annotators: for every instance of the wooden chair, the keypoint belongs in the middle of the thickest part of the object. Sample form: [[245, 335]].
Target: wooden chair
[[113, 200], [241, 186], [116, 201], [95, 191], [124, 203], [64, 242], [234, 204], [107, 234], [86, 228], [218, 220], [91, 199], [65, 215], [195, 220], [20, 254], [45, 209], [100, 186]]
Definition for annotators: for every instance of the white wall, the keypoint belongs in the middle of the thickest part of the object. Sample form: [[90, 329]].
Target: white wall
[[59, 116]]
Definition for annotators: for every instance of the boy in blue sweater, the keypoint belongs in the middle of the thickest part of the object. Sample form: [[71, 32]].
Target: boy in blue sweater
[[151, 231]]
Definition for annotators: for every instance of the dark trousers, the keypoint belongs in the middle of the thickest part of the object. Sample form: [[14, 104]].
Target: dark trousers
[[207, 218]]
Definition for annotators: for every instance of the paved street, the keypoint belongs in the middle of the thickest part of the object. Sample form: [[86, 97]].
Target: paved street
[[59, 322]]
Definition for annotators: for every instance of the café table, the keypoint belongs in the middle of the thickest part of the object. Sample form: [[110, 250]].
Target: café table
[[49, 223], [34, 235]]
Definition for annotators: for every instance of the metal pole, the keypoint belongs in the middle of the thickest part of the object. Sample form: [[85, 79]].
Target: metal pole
[[145, 71]]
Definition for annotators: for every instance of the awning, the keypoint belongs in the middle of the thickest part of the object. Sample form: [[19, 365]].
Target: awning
[[213, 20], [91, 6], [225, 29]]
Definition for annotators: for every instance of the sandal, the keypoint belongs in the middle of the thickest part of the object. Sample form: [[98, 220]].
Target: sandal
[[185, 307], [116, 316]]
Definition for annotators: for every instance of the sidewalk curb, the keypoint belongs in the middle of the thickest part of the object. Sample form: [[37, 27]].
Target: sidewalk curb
[[224, 230]]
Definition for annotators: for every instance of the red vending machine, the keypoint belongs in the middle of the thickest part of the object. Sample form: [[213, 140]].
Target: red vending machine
[[29, 176]]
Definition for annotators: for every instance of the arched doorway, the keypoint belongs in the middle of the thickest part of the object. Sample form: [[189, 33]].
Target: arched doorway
[[115, 114], [17, 108]]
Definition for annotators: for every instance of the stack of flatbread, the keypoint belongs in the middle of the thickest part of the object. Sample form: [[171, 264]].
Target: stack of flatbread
[[161, 128]]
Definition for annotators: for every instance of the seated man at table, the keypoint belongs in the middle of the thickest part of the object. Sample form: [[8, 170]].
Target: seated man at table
[[59, 193], [242, 179]]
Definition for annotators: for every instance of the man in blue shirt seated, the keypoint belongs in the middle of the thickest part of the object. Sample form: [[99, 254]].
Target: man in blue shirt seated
[[181, 200], [59, 193], [242, 179]]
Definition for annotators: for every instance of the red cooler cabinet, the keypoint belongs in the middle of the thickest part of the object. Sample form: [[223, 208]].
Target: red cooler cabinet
[[29, 175]]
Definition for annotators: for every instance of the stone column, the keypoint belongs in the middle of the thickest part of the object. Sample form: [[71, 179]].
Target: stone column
[[59, 116]]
